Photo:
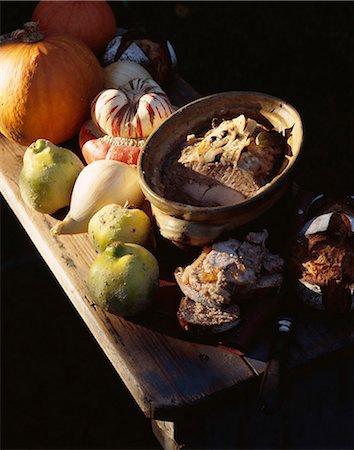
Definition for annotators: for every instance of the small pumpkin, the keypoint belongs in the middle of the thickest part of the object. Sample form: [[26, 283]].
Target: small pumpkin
[[133, 111], [46, 85], [93, 22], [96, 145]]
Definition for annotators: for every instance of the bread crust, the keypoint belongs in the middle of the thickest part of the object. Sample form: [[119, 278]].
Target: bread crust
[[203, 320]]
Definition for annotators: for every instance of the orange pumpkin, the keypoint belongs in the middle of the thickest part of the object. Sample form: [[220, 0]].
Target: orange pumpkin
[[93, 22], [95, 145], [46, 86]]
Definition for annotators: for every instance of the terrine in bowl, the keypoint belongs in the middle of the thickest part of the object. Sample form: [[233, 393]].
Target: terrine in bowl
[[204, 171]]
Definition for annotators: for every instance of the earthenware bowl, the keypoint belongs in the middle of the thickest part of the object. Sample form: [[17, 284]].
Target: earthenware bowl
[[195, 225]]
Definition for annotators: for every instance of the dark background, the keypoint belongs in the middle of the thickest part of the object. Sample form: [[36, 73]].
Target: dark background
[[58, 389]]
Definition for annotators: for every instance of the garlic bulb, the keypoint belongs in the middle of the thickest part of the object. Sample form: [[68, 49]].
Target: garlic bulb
[[133, 111], [120, 73], [100, 183]]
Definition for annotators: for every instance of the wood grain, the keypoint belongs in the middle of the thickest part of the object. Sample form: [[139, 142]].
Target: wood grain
[[316, 413], [163, 373]]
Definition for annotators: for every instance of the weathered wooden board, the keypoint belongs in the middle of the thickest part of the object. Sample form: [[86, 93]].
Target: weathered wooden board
[[316, 413], [164, 372]]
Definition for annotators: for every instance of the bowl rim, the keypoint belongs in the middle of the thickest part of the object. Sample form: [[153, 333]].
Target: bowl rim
[[179, 207]]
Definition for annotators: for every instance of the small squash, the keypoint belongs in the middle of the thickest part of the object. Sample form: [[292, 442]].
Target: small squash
[[96, 145], [93, 22], [134, 110], [46, 85]]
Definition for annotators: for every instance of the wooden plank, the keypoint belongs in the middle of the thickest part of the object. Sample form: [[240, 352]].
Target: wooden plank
[[312, 401], [316, 335], [165, 433], [163, 373], [180, 92]]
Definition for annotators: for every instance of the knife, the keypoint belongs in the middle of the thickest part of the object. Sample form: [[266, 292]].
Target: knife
[[271, 393]]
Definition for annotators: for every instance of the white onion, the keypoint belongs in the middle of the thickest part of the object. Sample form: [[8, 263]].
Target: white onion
[[100, 183]]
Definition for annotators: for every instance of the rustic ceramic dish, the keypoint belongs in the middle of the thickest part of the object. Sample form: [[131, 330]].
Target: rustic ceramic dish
[[196, 225]]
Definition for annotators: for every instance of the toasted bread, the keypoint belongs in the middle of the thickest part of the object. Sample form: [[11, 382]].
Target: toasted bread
[[198, 318]]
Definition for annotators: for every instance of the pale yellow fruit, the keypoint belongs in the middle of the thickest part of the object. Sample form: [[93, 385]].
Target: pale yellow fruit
[[48, 175], [124, 279], [115, 223]]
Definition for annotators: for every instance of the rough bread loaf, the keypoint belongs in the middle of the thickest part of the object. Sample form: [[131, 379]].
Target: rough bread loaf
[[196, 317], [322, 263], [231, 271], [193, 294]]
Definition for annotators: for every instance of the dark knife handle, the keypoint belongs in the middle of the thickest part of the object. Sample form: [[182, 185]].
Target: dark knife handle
[[272, 386]]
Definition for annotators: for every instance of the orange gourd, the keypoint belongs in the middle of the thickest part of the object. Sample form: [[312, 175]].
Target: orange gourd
[[46, 86], [93, 22], [95, 145]]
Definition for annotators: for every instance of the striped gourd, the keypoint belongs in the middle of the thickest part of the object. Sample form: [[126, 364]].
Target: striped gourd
[[132, 111]]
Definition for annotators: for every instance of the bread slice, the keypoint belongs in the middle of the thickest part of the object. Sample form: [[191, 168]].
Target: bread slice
[[231, 271], [198, 318], [193, 294], [224, 276], [266, 284]]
